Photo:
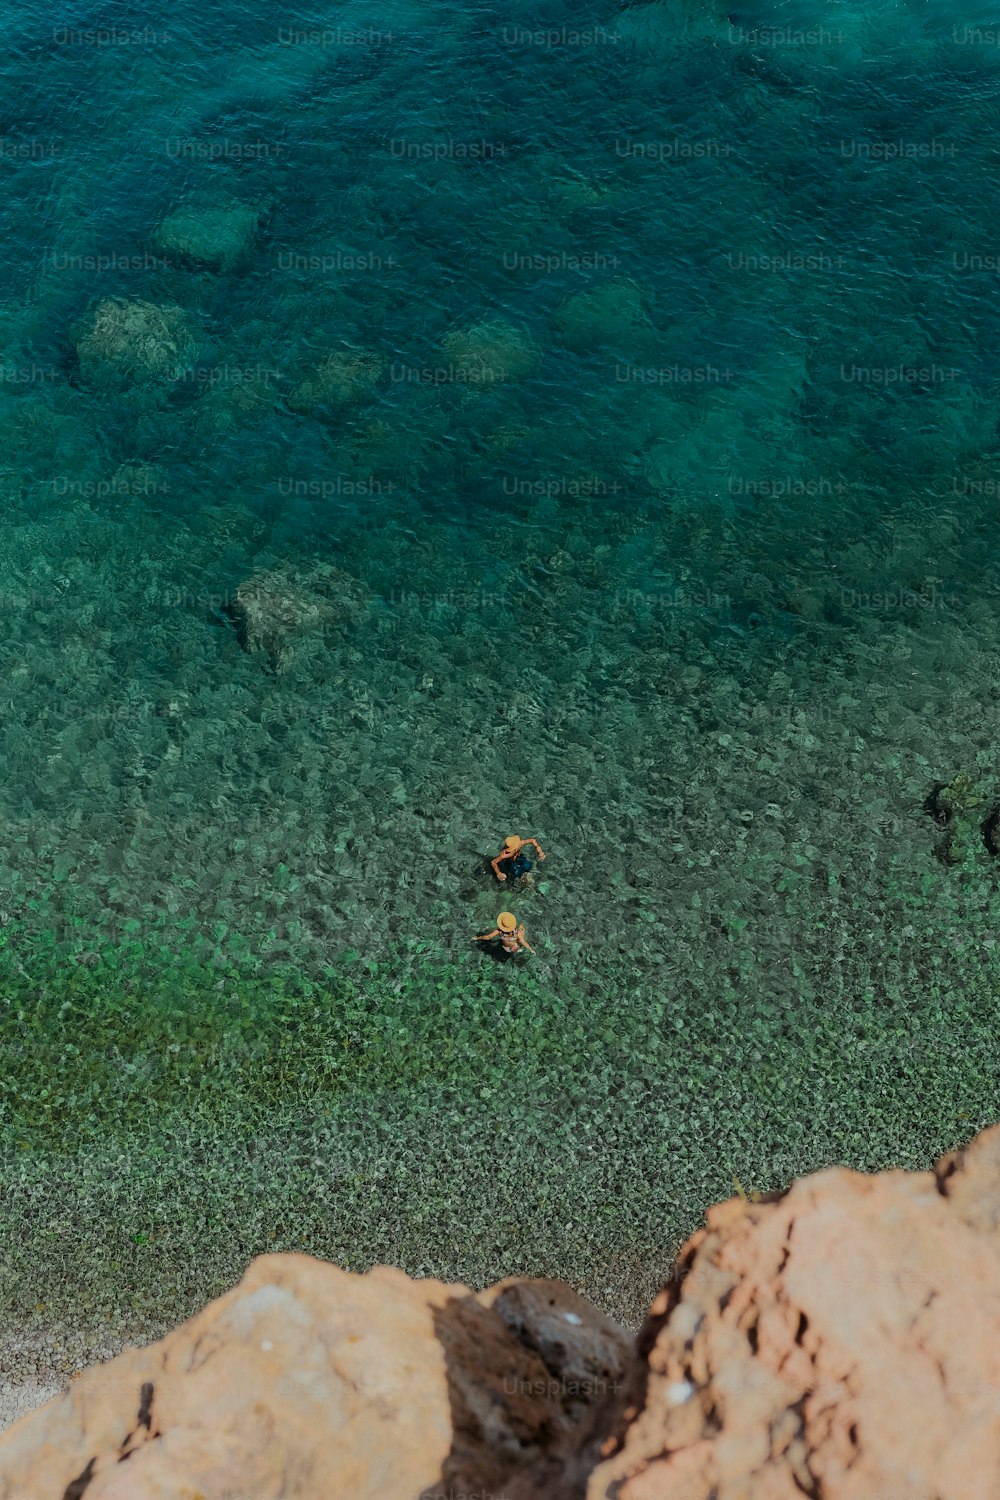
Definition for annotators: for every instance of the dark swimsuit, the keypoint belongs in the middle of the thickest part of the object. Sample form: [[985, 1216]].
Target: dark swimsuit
[[515, 865]]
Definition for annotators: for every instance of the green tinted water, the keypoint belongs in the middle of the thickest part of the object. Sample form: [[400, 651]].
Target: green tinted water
[[606, 414]]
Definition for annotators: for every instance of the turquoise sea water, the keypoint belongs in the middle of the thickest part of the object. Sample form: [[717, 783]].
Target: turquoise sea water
[[599, 412]]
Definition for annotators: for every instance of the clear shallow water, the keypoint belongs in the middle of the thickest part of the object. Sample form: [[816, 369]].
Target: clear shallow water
[[636, 374], [605, 410], [664, 345]]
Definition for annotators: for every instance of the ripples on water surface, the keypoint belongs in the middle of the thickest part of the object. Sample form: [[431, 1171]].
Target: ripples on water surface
[[605, 407]]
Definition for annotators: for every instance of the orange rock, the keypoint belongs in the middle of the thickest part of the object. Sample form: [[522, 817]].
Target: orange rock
[[842, 1339], [858, 1354], [307, 1381]]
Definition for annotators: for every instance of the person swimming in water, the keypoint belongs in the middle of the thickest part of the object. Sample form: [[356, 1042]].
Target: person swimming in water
[[512, 857], [510, 932]]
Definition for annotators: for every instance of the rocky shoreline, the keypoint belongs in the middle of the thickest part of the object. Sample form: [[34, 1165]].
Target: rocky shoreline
[[834, 1338], [39, 1361]]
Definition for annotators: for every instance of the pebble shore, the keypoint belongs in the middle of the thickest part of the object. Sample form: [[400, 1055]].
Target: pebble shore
[[37, 1363]]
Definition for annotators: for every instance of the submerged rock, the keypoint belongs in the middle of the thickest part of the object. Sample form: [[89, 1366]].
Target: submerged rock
[[214, 235], [489, 352], [957, 808], [603, 315], [836, 1339], [345, 376], [143, 479], [125, 341], [246, 399], [276, 608]]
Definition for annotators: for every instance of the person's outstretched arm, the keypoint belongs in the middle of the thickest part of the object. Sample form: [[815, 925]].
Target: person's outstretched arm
[[484, 937], [541, 851], [493, 865]]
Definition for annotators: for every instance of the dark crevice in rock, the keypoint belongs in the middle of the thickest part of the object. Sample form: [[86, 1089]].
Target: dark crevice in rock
[[812, 1489], [775, 1195], [541, 1386], [944, 1170], [990, 828], [146, 1405], [799, 1408], [712, 1424], [74, 1490]]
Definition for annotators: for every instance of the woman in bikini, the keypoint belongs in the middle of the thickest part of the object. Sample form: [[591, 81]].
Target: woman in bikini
[[510, 934]]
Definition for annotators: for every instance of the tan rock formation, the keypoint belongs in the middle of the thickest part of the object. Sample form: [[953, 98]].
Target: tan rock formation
[[841, 1340], [309, 1381]]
